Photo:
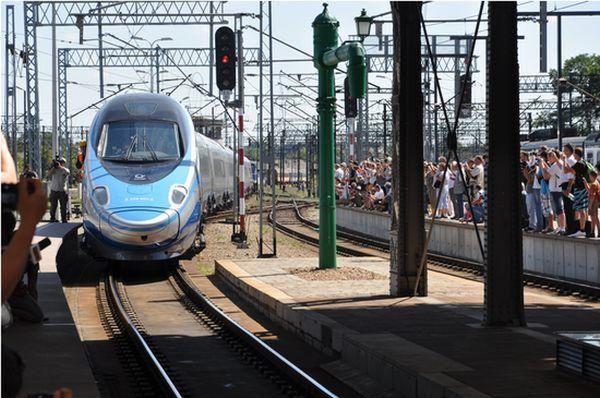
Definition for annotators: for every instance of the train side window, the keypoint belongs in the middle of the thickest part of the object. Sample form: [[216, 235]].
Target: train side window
[[219, 167], [204, 162]]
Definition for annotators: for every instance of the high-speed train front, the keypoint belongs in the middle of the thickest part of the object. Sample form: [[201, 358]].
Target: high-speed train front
[[141, 192]]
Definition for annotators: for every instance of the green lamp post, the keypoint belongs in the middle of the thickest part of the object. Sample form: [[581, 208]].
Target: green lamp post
[[327, 55]]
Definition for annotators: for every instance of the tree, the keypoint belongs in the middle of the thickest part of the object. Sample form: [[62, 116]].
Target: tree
[[582, 71]]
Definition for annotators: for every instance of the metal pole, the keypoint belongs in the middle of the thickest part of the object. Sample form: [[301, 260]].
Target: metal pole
[[384, 129], [14, 83], [367, 129], [211, 55], [157, 59], [260, 133], [55, 138], [428, 110], [241, 189], [272, 128], [456, 75], [101, 51], [6, 68], [26, 142], [435, 108], [282, 159], [558, 86], [351, 125], [325, 39], [298, 163], [306, 167]]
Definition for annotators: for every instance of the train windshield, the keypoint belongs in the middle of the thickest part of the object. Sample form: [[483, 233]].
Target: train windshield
[[139, 141]]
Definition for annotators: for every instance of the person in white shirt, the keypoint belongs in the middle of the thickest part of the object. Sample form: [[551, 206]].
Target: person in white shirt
[[555, 170], [339, 172], [569, 175]]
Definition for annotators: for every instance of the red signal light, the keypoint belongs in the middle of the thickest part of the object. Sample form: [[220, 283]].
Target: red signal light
[[225, 59]]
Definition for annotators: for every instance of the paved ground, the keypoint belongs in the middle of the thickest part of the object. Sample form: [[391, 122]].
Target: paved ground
[[52, 351], [444, 327]]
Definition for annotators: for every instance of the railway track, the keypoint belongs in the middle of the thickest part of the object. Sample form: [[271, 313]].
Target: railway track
[[211, 354], [359, 245]]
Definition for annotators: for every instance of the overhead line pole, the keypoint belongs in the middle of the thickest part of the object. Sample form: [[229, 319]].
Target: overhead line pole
[[241, 188], [272, 129], [55, 137], [260, 134]]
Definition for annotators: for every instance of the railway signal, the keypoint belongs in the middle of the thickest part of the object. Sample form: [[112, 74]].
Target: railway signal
[[225, 58], [466, 84], [350, 102]]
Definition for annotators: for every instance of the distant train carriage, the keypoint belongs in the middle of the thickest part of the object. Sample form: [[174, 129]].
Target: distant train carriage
[[590, 145], [149, 180]]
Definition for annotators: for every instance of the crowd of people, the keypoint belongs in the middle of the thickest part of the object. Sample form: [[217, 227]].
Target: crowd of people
[[560, 190], [367, 184]]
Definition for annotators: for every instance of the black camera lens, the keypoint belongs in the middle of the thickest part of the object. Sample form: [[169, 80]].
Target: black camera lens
[[10, 196]]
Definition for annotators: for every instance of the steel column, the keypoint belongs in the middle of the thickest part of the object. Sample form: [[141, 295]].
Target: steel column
[[56, 149], [408, 233], [32, 111], [62, 93], [504, 260], [559, 115], [10, 75]]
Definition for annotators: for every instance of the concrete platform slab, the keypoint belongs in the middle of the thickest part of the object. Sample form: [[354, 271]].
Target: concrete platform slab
[[52, 352], [419, 347]]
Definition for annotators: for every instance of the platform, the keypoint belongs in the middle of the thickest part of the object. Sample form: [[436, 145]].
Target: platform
[[558, 257], [52, 351], [430, 346]]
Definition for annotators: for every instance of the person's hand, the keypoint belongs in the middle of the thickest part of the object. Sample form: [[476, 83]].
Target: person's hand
[[63, 393], [32, 202]]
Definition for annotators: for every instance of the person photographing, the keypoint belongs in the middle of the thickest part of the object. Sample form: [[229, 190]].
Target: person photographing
[[58, 176]]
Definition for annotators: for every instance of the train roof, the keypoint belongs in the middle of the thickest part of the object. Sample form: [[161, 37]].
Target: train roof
[[593, 139], [142, 106], [553, 143]]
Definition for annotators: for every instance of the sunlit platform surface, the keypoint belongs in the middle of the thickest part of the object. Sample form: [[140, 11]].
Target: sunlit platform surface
[[431, 346], [52, 352]]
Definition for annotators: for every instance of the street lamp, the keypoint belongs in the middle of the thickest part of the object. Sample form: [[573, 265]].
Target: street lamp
[[363, 25]]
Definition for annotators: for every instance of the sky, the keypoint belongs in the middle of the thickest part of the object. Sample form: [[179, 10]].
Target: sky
[[292, 24]]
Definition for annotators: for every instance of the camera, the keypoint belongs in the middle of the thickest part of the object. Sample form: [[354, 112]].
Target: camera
[[10, 197], [55, 164]]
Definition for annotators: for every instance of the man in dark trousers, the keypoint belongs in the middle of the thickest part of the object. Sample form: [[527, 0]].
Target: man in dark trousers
[[59, 176]]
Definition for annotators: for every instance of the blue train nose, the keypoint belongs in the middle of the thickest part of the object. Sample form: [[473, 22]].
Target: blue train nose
[[143, 226]]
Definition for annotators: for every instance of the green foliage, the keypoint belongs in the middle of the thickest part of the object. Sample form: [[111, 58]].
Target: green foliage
[[582, 71]]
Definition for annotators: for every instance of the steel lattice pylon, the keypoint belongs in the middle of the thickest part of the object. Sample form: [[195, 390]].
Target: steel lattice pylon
[[10, 106], [127, 12], [88, 13]]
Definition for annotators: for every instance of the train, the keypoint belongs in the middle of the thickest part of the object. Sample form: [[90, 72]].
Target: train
[[150, 180], [590, 145]]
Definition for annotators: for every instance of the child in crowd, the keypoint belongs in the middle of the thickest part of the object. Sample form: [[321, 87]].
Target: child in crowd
[[593, 189]]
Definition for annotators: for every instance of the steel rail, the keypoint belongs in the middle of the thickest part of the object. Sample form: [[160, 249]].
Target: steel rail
[[136, 339], [301, 379]]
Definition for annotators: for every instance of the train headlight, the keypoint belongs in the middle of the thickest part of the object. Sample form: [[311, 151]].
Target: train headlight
[[100, 195], [178, 194]]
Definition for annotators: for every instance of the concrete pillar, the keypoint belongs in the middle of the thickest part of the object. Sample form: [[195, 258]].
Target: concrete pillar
[[504, 262], [408, 234]]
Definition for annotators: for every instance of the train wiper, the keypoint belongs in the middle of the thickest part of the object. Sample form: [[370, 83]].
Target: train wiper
[[149, 147], [130, 148]]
